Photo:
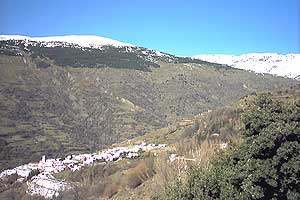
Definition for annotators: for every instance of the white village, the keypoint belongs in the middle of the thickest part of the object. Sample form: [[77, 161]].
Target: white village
[[45, 184]]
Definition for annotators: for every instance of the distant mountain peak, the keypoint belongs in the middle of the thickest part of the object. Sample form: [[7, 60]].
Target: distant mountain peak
[[272, 63], [80, 40]]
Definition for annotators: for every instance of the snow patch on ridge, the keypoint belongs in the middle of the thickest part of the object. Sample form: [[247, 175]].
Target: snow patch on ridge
[[272, 63], [80, 40]]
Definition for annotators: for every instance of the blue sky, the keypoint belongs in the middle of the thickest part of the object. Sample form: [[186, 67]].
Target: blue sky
[[179, 27]]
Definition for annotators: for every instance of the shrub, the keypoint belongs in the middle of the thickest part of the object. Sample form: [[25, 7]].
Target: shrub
[[111, 188], [165, 172], [192, 130], [224, 121], [42, 64], [134, 177], [264, 166], [270, 157]]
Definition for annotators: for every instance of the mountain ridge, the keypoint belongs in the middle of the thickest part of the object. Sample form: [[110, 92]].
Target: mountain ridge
[[287, 65], [272, 63], [81, 40]]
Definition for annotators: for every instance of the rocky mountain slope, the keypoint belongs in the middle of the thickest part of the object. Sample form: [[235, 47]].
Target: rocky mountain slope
[[148, 174], [271, 63], [59, 97]]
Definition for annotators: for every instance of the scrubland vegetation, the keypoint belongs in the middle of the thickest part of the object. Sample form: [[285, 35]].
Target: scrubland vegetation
[[69, 101], [261, 160], [61, 110], [265, 165]]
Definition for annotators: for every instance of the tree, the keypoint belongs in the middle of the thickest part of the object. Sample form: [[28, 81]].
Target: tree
[[269, 160], [265, 166]]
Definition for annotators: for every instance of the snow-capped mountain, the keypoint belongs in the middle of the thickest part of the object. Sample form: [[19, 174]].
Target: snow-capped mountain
[[272, 63], [80, 40], [81, 50]]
